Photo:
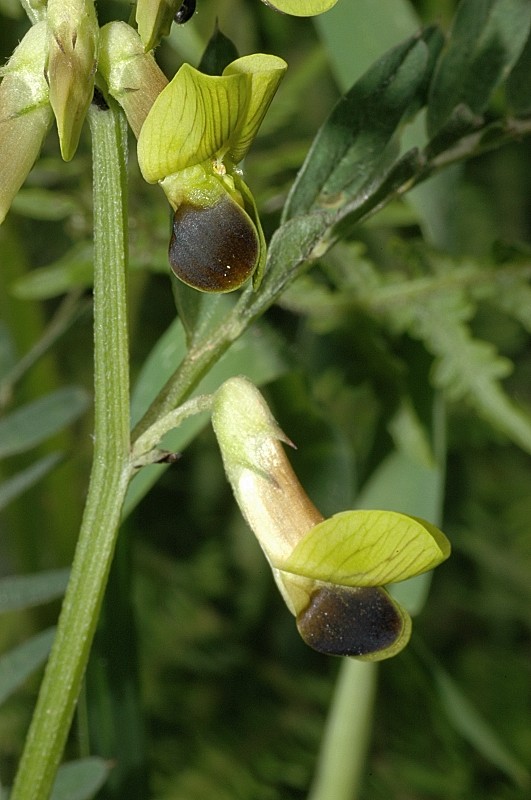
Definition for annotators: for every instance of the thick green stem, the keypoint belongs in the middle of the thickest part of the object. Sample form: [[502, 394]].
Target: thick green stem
[[110, 472], [346, 739]]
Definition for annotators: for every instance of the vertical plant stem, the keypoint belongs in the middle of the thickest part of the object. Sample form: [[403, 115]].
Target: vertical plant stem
[[110, 471], [347, 734]]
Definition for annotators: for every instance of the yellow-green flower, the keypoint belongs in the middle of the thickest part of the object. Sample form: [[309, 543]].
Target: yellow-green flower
[[331, 573], [197, 132]]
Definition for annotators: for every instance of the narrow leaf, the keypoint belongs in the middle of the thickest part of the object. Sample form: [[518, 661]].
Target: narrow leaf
[[476, 730], [80, 780], [368, 548], [37, 421], [486, 40], [354, 141], [20, 663], [518, 83], [72, 271], [19, 483], [356, 34], [25, 591], [219, 52]]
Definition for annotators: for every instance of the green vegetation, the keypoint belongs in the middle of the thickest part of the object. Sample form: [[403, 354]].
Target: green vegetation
[[389, 334]]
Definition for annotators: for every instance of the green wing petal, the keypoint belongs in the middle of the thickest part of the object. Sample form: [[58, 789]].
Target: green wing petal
[[264, 73], [368, 548], [192, 119]]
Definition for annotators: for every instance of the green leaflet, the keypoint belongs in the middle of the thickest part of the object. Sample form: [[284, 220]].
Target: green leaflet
[[486, 40], [301, 8], [199, 117], [357, 140], [368, 548]]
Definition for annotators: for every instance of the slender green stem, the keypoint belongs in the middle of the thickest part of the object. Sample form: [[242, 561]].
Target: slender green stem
[[110, 472], [346, 739], [143, 450]]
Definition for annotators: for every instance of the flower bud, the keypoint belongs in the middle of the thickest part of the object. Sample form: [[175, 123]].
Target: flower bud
[[72, 54], [331, 573], [25, 113], [133, 77], [154, 19]]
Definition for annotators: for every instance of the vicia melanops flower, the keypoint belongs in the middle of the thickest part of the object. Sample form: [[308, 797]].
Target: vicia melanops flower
[[331, 573], [197, 132]]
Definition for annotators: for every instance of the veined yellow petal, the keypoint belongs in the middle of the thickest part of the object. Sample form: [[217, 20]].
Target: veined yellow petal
[[192, 120], [368, 548]]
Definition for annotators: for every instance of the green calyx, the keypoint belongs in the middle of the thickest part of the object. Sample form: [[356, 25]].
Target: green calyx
[[198, 130], [331, 573]]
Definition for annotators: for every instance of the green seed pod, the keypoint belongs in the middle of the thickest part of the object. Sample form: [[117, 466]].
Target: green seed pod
[[213, 248]]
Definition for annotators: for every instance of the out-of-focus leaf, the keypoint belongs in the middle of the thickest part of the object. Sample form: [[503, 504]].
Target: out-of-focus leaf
[[199, 311], [518, 83], [19, 483], [219, 53], [486, 40], [476, 730], [7, 350], [35, 422], [356, 141], [356, 34], [80, 780], [44, 204], [22, 661], [25, 591], [11, 8], [74, 270]]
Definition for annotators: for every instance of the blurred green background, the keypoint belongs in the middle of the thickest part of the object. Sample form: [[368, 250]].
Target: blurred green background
[[198, 671]]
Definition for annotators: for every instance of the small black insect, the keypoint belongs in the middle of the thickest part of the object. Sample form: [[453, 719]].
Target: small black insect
[[185, 12]]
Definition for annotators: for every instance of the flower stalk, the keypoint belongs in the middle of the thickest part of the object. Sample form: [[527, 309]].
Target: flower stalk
[[110, 473]]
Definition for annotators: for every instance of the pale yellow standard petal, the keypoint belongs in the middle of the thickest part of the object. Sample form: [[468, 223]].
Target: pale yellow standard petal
[[192, 120], [265, 73], [368, 548]]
